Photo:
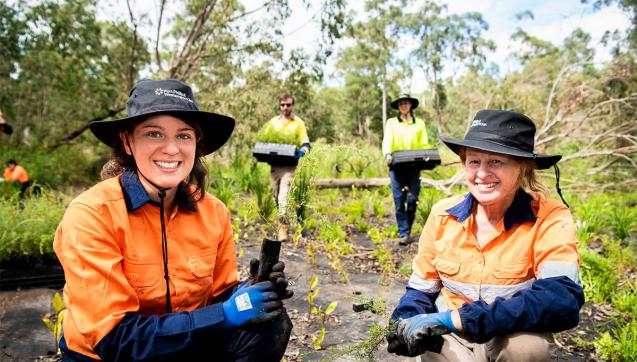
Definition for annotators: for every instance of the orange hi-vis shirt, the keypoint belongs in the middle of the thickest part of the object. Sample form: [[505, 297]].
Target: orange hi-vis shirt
[[450, 260], [109, 243], [18, 174]]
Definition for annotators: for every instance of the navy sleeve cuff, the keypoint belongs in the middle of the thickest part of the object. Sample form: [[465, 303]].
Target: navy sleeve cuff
[[137, 337], [550, 305], [414, 302]]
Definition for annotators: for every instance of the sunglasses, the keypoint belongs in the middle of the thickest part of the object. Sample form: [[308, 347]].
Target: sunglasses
[[283, 105]]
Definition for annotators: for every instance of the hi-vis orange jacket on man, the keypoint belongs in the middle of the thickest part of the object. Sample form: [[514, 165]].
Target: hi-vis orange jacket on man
[[525, 278], [109, 243]]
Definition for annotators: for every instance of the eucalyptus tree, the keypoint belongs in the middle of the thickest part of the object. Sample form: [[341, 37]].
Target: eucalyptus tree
[[371, 68], [60, 67], [445, 45]]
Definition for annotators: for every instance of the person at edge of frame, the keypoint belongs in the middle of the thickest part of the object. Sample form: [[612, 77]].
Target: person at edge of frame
[[497, 269], [149, 257], [405, 132], [290, 126], [5, 127], [14, 172]]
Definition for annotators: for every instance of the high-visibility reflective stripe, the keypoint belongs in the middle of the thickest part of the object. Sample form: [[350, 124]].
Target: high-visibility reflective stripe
[[441, 303], [424, 285], [486, 292], [466, 290], [550, 269]]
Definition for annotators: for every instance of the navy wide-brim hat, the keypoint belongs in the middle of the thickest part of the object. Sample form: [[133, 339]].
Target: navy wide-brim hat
[[504, 132], [154, 97], [405, 96]]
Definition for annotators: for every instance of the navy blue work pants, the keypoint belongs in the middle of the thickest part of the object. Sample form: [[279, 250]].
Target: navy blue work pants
[[405, 187]]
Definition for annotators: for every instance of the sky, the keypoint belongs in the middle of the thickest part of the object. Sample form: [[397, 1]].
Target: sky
[[553, 21]]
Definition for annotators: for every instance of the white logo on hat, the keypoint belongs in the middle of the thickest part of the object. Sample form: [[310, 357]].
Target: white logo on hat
[[478, 122], [172, 93]]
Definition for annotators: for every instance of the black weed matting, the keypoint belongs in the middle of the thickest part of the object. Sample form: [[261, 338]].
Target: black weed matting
[[31, 273]]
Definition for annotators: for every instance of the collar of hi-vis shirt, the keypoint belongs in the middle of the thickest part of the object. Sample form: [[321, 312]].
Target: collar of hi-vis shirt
[[136, 196], [283, 119], [519, 212]]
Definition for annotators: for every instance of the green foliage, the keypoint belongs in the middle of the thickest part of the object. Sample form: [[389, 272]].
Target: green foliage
[[625, 300], [67, 166], [623, 221], [599, 276], [354, 209], [27, 227], [268, 134], [620, 344]]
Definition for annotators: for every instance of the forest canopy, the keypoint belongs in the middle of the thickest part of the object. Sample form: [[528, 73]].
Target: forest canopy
[[62, 67]]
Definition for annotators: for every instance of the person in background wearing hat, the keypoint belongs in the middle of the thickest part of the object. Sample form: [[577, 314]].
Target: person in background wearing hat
[[497, 269], [405, 132], [290, 127], [5, 127], [16, 173], [149, 256]]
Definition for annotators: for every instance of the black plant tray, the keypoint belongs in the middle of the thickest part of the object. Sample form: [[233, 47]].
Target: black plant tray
[[425, 159], [31, 273], [275, 153]]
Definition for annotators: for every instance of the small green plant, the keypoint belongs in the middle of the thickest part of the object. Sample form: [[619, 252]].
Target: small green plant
[[589, 221], [379, 208], [625, 301], [599, 277], [321, 314], [355, 210], [54, 320], [223, 189], [383, 255], [375, 235], [425, 203], [620, 344], [362, 226], [623, 221]]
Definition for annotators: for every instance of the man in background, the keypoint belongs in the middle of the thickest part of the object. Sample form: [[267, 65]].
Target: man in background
[[290, 128]]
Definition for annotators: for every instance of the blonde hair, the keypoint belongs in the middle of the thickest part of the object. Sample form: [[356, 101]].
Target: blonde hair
[[528, 179]]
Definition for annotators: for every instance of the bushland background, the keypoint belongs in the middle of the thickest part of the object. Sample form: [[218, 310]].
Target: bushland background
[[63, 66]]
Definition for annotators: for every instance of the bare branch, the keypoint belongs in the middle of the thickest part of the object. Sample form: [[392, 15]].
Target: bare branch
[[71, 136], [161, 15], [131, 67]]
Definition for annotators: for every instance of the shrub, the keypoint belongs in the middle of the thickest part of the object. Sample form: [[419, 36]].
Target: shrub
[[599, 276], [620, 344], [27, 227]]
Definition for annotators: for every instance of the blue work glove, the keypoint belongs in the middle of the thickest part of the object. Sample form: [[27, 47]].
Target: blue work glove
[[416, 333], [254, 304], [299, 153]]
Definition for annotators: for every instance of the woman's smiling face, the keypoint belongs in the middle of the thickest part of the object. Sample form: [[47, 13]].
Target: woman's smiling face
[[164, 149], [493, 178]]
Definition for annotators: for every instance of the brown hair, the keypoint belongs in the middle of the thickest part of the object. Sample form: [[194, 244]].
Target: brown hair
[[194, 187], [528, 179], [286, 96]]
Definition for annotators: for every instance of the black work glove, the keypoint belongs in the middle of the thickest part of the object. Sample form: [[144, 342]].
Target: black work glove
[[394, 345], [277, 277], [427, 338]]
